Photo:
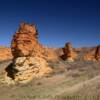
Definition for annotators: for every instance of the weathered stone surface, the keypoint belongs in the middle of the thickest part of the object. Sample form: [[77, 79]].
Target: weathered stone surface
[[89, 57], [29, 55], [69, 54], [25, 41], [5, 54], [93, 54], [28, 28], [29, 68], [26, 44]]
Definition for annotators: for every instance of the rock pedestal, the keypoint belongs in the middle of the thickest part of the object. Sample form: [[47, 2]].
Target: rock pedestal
[[28, 62], [68, 53]]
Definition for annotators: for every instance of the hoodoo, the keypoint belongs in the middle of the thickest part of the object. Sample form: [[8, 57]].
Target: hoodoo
[[68, 52], [28, 61]]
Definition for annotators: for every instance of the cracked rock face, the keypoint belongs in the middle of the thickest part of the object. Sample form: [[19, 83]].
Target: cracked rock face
[[28, 62], [29, 68]]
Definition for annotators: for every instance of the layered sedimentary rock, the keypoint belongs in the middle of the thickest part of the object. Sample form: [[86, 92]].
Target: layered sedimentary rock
[[68, 53], [29, 61], [93, 54]]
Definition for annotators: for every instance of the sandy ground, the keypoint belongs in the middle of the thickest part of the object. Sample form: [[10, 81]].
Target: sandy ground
[[76, 77]]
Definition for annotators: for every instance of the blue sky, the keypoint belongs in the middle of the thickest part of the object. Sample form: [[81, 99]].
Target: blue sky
[[58, 21]]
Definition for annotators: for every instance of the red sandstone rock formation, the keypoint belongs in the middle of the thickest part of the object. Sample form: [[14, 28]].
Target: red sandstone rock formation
[[29, 55], [25, 41], [69, 53], [5, 54], [93, 54]]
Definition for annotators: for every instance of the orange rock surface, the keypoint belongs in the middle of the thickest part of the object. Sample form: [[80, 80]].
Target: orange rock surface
[[25, 41], [93, 54], [29, 55], [5, 54], [69, 53]]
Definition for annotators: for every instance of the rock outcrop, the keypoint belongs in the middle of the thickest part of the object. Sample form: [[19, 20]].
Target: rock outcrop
[[29, 55], [5, 54], [68, 53], [93, 54], [24, 69], [97, 53], [25, 42]]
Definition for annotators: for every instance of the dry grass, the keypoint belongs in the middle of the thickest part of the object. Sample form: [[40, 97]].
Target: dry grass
[[75, 81], [88, 90]]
